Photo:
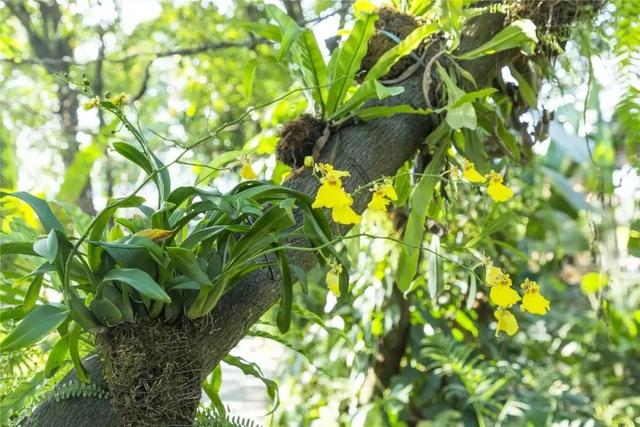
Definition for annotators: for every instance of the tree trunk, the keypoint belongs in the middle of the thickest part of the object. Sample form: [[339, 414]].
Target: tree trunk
[[369, 151]]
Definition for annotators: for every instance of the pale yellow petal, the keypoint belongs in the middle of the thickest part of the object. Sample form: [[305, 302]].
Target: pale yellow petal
[[378, 202], [333, 282], [499, 192], [331, 195], [506, 322], [345, 215], [503, 296], [247, 171]]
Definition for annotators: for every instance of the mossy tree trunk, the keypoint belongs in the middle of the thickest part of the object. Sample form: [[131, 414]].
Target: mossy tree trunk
[[369, 151]]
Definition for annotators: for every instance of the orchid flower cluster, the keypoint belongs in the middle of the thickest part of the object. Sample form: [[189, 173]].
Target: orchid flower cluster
[[504, 296], [496, 189]]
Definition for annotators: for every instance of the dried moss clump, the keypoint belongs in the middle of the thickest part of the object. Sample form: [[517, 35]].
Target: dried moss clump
[[153, 371], [297, 139], [396, 23]]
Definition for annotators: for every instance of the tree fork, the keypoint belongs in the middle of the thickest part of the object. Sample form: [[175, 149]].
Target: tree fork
[[369, 151]]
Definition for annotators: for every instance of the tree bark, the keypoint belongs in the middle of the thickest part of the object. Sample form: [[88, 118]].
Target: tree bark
[[369, 150]]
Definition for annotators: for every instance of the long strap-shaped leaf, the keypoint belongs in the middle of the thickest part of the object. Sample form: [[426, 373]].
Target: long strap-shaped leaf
[[345, 62], [420, 201], [283, 318], [308, 57]]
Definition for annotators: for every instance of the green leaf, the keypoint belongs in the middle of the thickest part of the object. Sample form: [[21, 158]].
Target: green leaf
[[289, 29], [134, 155], [249, 368], [56, 356], [140, 281], [419, 203], [74, 338], [345, 61], [42, 209], [404, 48], [48, 247], [100, 222], [370, 89], [308, 57], [463, 116], [17, 248], [35, 326], [283, 318], [519, 34], [275, 219], [187, 263], [31, 297], [370, 113]]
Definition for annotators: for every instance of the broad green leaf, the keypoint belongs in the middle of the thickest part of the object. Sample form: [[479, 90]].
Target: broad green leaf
[[140, 281], [519, 34], [17, 248], [289, 29], [419, 203], [42, 209], [187, 263], [275, 219], [36, 325], [308, 57], [249, 368], [346, 59], [31, 297], [47, 247], [404, 48], [56, 357], [100, 222], [134, 155], [463, 116]]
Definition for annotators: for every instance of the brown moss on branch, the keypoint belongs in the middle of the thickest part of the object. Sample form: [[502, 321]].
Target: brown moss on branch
[[153, 371], [398, 24], [297, 139]]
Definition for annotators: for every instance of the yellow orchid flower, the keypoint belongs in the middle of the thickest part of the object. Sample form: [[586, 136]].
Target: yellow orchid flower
[[92, 103], [382, 196], [345, 215], [471, 174], [333, 279], [533, 301], [378, 202], [329, 172], [331, 195], [503, 296], [388, 191], [247, 171], [121, 99], [496, 189], [506, 322]]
